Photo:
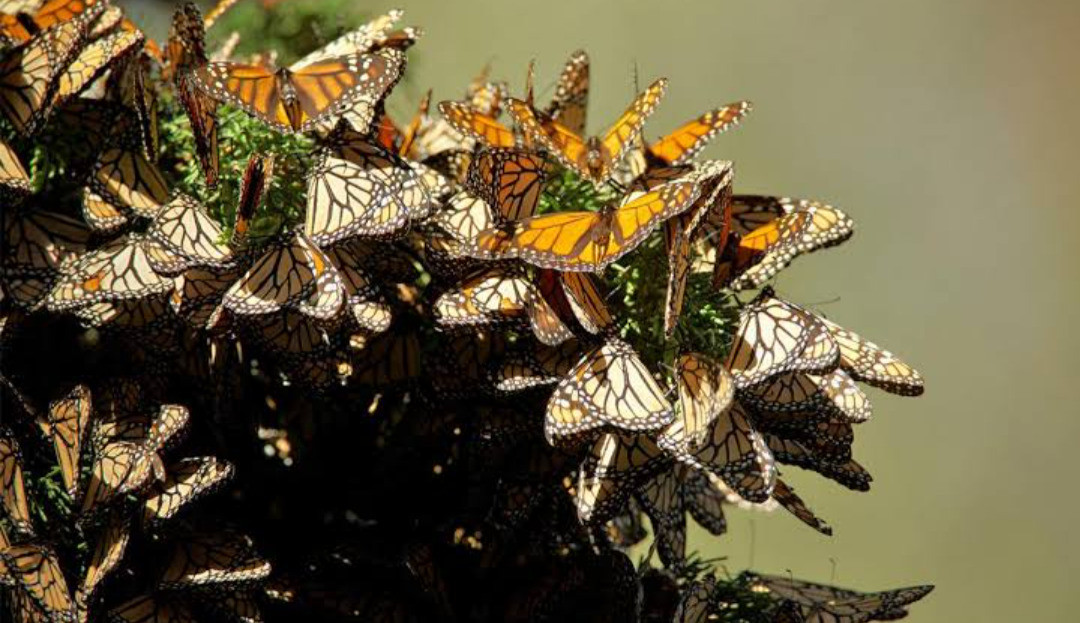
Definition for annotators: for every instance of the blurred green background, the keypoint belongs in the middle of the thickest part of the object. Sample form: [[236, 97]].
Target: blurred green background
[[948, 130]]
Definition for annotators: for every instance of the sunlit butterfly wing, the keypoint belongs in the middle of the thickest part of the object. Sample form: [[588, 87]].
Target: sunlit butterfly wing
[[129, 314], [359, 189], [101, 215], [614, 467], [118, 270], [29, 73], [772, 338], [222, 557], [568, 105], [300, 99], [14, 181], [190, 236], [706, 390], [294, 273], [186, 481], [609, 386], [39, 578], [476, 126], [366, 303], [686, 141], [587, 303], [128, 180], [94, 60], [586, 241], [69, 421], [108, 551], [867, 362], [834, 394], [732, 450], [120, 467], [492, 296], [509, 180]]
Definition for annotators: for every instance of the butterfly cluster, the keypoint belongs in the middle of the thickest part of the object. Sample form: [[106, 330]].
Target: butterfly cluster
[[425, 363]]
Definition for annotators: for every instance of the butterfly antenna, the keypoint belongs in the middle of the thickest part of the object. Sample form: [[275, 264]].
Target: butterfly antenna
[[832, 573]]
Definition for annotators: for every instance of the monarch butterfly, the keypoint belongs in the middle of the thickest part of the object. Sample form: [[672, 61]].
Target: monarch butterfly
[[535, 366], [367, 304], [792, 503], [292, 334], [461, 368], [492, 295], [826, 439], [128, 84], [732, 449], [292, 273], [818, 602], [155, 608], [93, 60], [102, 16], [108, 551], [197, 295], [848, 473], [116, 271], [220, 557], [609, 386], [372, 36], [14, 181], [38, 578], [706, 390], [102, 216], [772, 232], [578, 306], [614, 467], [359, 189], [509, 180], [834, 394], [390, 358], [219, 9], [13, 491], [594, 159], [122, 466], [661, 498], [873, 365], [30, 71], [257, 178], [686, 141], [125, 178], [186, 481], [40, 242], [69, 420], [696, 602], [190, 237], [298, 99], [774, 337], [714, 183], [476, 126], [568, 105], [586, 241]]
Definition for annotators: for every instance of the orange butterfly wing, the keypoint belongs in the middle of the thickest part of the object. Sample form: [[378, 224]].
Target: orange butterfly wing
[[690, 138], [627, 128], [473, 124]]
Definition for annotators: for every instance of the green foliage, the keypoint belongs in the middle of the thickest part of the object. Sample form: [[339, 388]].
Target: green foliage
[[637, 285], [240, 136], [292, 29]]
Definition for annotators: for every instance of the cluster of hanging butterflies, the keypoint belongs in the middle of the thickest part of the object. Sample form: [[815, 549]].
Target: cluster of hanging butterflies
[[421, 243], [116, 457]]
